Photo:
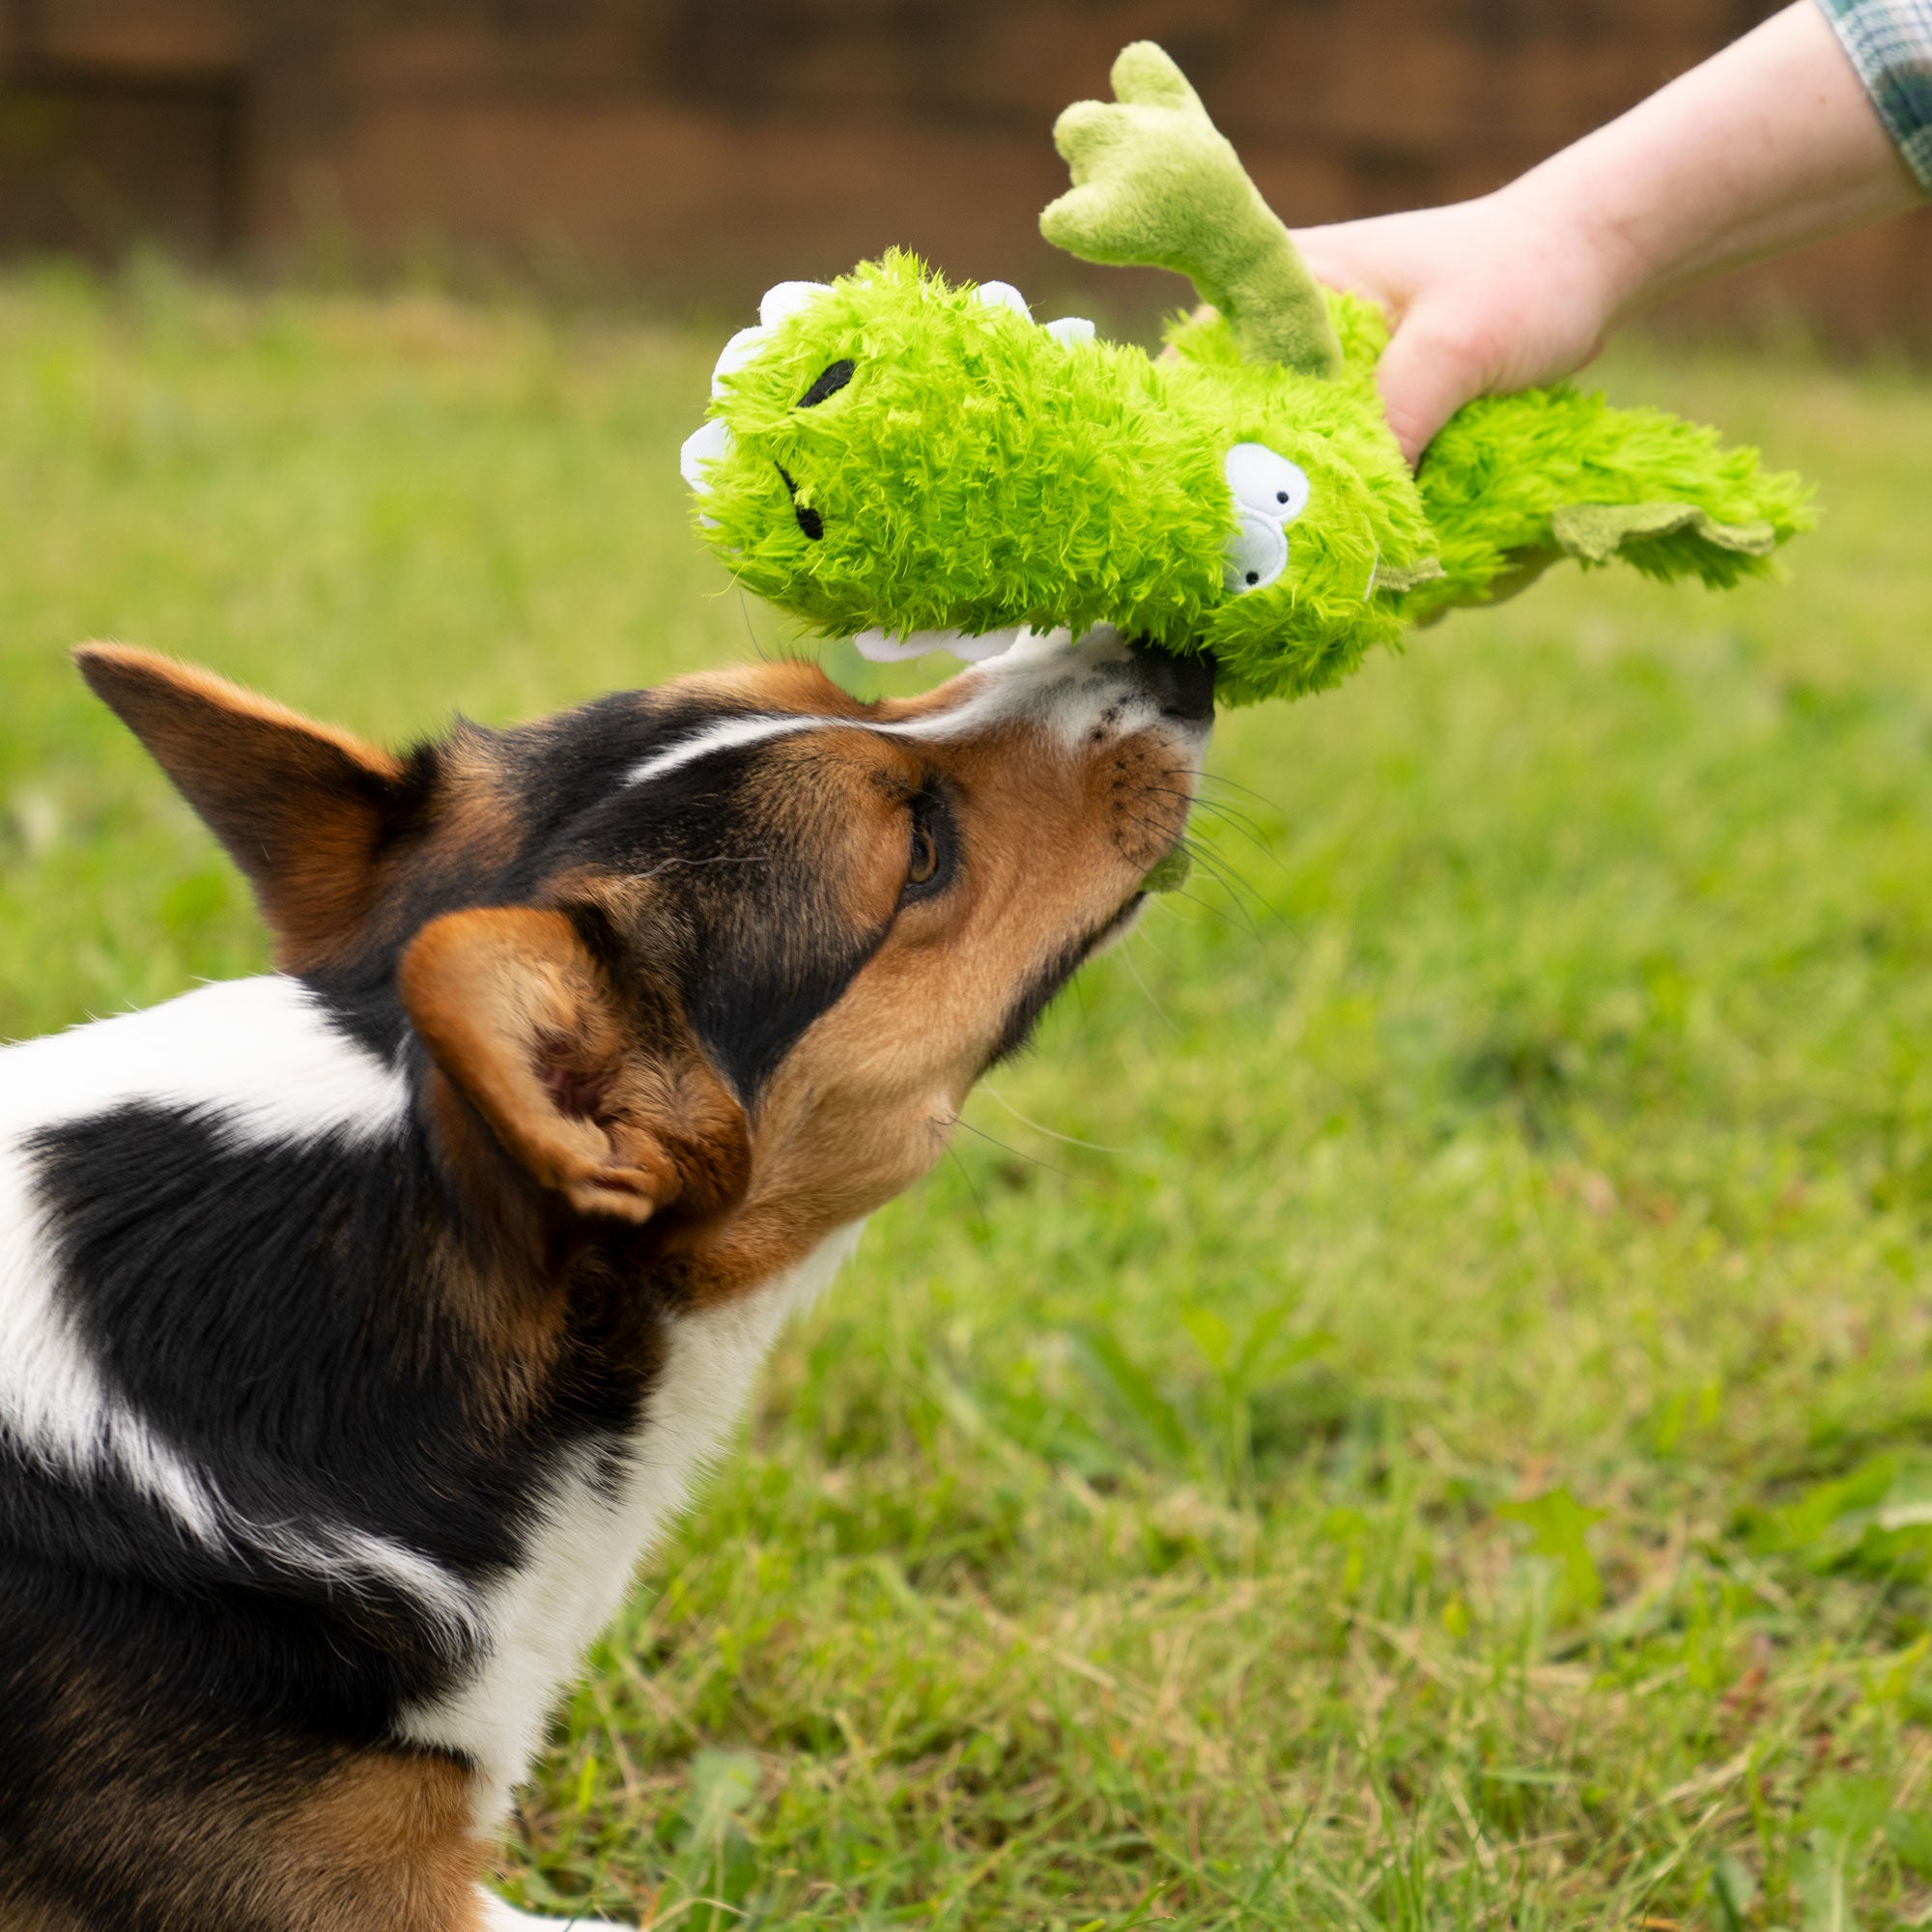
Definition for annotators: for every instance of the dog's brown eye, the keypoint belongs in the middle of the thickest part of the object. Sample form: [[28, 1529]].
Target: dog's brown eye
[[923, 866], [933, 848]]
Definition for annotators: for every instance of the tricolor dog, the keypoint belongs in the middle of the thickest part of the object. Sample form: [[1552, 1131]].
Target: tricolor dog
[[361, 1324]]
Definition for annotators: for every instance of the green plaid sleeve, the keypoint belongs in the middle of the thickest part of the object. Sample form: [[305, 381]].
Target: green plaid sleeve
[[1891, 44]]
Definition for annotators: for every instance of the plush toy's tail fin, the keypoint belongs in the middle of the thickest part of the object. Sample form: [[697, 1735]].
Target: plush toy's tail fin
[[1155, 186], [1516, 482]]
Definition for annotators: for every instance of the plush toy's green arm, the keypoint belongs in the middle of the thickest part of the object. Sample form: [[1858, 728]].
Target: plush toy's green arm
[[1516, 481], [1156, 184]]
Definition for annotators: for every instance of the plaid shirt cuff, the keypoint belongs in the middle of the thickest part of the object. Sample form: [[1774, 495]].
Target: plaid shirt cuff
[[1889, 42]]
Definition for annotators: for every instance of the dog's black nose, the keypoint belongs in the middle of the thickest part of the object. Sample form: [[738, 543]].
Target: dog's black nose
[[1183, 686]]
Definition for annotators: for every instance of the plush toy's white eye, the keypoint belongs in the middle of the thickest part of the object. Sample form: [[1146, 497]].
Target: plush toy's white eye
[[788, 298], [1265, 482], [1257, 554], [1070, 329], [1003, 294], [709, 442], [736, 352]]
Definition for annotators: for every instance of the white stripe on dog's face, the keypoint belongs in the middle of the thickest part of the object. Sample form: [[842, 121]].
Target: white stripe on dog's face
[[256, 1058], [1048, 678], [725, 736]]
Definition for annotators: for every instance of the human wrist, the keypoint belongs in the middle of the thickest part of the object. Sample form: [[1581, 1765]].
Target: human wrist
[[1592, 255]]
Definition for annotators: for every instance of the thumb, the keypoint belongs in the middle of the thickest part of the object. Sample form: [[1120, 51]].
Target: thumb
[[1425, 377]]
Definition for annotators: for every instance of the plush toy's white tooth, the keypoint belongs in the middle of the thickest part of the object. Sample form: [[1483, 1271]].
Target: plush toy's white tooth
[[709, 442], [788, 298], [885, 647], [1003, 294], [987, 645], [1070, 329], [735, 353]]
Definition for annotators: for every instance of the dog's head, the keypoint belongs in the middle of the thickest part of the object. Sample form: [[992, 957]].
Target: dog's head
[[719, 960]]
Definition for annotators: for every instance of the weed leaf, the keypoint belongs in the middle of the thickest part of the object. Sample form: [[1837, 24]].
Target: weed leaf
[[1556, 1523], [1117, 1373]]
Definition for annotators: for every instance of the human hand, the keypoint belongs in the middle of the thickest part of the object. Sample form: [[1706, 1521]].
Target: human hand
[[1767, 145], [1484, 297]]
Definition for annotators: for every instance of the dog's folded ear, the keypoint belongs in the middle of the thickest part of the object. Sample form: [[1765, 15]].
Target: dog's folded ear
[[611, 1109], [302, 810]]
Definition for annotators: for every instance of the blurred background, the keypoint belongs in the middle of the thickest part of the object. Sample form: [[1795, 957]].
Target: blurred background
[[694, 150]]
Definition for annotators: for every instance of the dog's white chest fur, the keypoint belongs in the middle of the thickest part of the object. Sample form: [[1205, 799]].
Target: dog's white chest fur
[[541, 1617]]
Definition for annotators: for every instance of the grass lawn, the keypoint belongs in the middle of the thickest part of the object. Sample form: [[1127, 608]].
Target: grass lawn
[[1411, 1408]]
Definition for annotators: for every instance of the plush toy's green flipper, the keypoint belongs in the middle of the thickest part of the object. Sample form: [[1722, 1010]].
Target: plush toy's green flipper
[[1595, 532], [1516, 481], [1157, 186]]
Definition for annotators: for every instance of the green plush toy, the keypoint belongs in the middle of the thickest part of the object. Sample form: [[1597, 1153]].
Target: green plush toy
[[917, 464]]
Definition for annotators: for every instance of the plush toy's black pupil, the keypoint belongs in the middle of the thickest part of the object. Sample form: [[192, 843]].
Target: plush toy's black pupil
[[1254, 577], [808, 519], [1281, 496], [829, 384]]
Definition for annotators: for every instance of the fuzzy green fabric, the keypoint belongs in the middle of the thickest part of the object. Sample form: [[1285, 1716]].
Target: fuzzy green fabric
[[895, 454]]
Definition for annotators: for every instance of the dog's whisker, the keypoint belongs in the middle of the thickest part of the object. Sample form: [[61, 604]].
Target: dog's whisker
[[1213, 912], [1220, 806], [1133, 967], [1239, 888], [972, 1186], [1234, 817], [1216, 869], [1235, 785], [1018, 1153], [751, 630], [1235, 822], [1052, 1133]]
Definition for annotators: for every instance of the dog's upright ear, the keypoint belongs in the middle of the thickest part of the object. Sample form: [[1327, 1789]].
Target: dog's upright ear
[[303, 809], [606, 1101]]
